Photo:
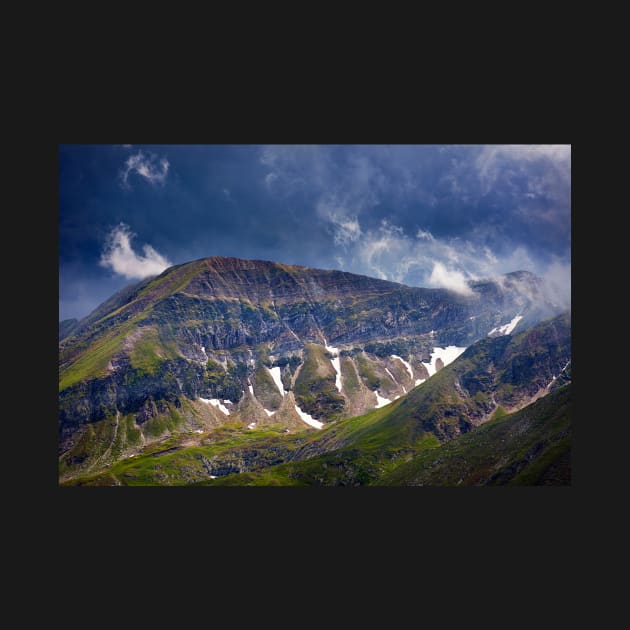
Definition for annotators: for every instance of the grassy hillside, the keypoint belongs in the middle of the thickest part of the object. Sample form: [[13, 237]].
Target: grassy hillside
[[529, 447], [315, 390]]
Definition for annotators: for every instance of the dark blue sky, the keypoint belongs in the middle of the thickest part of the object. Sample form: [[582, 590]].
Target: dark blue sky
[[423, 215]]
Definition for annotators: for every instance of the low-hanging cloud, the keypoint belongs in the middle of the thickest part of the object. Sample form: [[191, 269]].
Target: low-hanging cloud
[[119, 256], [427, 261], [391, 254], [147, 166], [557, 283], [449, 279]]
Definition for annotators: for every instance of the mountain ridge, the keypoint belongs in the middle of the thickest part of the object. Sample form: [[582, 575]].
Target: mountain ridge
[[223, 339]]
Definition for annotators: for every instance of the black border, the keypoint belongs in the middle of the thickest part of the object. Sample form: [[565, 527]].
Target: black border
[[402, 519]]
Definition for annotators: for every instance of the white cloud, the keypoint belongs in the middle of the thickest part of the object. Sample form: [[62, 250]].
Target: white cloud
[[449, 279], [345, 224], [425, 234], [557, 283], [347, 230], [119, 256], [149, 167], [390, 254], [385, 252]]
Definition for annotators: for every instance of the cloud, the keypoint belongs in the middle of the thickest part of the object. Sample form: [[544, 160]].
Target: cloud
[[432, 216], [450, 263], [389, 253], [557, 283], [425, 234], [149, 167], [119, 256], [344, 224], [504, 162], [347, 230], [449, 279]]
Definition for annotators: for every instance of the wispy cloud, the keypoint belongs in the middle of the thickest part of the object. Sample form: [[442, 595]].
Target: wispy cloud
[[433, 216], [557, 283], [119, 256], [147, 166], [343, 222], [449, 279], [503, 162], [389, 253]]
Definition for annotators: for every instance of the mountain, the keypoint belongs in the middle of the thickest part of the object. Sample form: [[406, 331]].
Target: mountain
[[159, 424], [66, 327], [400, 444], [492, 377], [529, 447]]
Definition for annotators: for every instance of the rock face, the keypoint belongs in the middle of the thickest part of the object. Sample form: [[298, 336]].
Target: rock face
[[268, 341]]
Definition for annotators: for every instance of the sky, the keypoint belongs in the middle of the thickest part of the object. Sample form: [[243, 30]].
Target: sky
[[423, 215]]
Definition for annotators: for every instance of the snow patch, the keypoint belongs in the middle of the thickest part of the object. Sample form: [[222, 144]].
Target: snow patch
[[309, 419], [391, 375], [380, 401], [337, 365], [215, 402], [330, 349], [251, 425], [506, 329], [336, 361], [213, 476], [448, 355], [419, 381], [251, 389], [277, 379], [198, 431], [269, 413], [405, 363]]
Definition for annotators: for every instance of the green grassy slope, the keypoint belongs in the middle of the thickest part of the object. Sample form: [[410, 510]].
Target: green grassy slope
[[529, 447], [315, 390]]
